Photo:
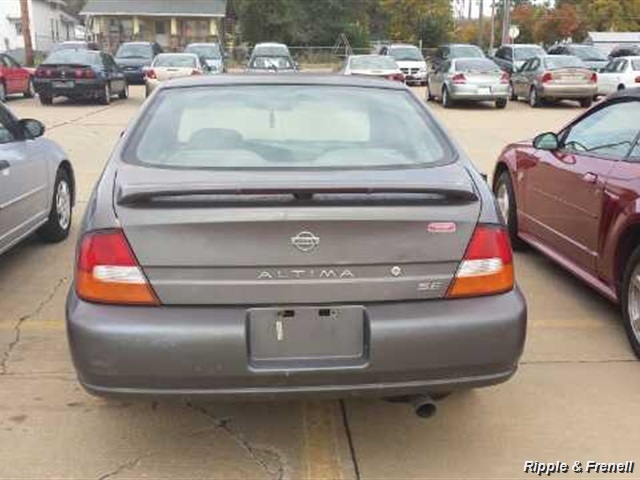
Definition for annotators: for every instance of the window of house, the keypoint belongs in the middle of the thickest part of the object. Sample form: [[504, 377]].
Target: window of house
[[18, 26], [161, 27]]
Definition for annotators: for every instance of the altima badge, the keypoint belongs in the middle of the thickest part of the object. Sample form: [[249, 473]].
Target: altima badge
[[305, 241], [396, 271]]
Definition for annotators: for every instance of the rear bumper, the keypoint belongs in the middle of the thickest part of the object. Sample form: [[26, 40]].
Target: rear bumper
[[151, 84], [411, 347], [568, 91], [472, 93], [81, 88]]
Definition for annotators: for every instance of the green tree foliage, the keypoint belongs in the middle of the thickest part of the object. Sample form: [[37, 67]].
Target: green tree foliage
[[415, 20]]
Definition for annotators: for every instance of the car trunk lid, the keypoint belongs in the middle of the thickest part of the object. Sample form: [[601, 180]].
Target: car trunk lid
[[233, 237]]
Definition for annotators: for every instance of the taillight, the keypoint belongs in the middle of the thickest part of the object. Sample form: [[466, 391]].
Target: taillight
[[637, 80], [505, 78], [487, 266], [594, 78], [89, 73], [546, 77], [196, 72], [43, 72], [151, 73], [459, 78], [107, 271], [396, 77]]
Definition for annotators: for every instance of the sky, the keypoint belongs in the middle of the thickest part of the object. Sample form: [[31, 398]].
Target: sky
[[460, 6]]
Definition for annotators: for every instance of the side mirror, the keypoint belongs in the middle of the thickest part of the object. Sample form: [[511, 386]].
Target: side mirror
[[32, 128], [547, 141]]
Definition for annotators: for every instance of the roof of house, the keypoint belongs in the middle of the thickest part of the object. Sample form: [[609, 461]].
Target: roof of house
[[190, 8], [614, 37]]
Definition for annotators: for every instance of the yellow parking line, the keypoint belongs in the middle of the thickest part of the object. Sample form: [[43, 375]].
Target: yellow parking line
[[321, 440], [33, 325], [577, 323]]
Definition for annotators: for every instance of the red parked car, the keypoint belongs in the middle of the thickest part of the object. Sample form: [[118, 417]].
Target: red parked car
[[14, 78], [575, 196]]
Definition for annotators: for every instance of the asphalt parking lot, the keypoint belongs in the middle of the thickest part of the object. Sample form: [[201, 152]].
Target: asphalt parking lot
[[574, 398]]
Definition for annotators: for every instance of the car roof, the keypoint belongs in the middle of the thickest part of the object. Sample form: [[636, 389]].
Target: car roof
[[203, 44], [297, 79], [270, 44], [460, 45], [394, 45], [137, 43]]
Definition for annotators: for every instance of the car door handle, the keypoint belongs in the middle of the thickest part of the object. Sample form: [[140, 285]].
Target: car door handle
[[4, 165], [590, 177]]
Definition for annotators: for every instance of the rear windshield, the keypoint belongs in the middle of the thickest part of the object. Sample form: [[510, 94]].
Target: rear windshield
[[134, 50], [588, 53], [177, 60], [271, 63], [525, 53], [553, 62], [476, 65], [205, 51], [635, 64], [73, 57], [406, 54], [284, 126], [466, 51], [373, 63]]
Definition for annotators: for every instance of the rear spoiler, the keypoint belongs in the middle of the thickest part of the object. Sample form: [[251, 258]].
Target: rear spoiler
[[132, 194]]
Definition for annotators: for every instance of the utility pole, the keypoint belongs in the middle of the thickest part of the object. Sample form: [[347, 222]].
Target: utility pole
[[481, 25], [492, 42], [26, 31], [506, 21], [470, 6]]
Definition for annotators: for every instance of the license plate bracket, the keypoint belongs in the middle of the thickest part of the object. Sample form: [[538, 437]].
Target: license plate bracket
[[64, 84], [304, 336]]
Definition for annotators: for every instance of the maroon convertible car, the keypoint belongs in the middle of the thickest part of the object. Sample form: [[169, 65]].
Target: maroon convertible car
[[575, 196]]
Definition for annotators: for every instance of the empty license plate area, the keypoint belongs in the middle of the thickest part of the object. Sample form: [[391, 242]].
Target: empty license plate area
[[306, 336]]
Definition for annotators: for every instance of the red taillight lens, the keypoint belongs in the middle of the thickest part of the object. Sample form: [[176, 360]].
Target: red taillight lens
[[107, 271], [594, 78], [505, 78], [151, 73], [89, 73], [396, 77], [487, 267], [78, 73], [637, 79], [547, 77], [43, 72], [196, 72], [459, 78]]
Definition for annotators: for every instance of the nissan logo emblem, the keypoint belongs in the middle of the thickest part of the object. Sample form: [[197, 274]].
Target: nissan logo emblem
[[305, 241]]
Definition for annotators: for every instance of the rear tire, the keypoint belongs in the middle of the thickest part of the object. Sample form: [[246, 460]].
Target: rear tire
[[534, 98], [105, 96], [124, 94], [57, 227], [429, 96], [512, 94], [30, 93], [586, 102], [45, 99], [630, 301], [446, 99], [620, 87], [501, 103], [506, 199]]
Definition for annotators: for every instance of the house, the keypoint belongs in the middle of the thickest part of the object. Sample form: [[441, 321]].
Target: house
[[171, 23], [606, 41], [49, 24]]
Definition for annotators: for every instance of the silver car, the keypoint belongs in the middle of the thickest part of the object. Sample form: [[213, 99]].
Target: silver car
[[277, 235], [553, 78], [37, 187], [373, 66], [468, 79]]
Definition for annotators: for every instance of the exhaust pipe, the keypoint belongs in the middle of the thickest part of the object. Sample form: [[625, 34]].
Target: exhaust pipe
[[424, 406]]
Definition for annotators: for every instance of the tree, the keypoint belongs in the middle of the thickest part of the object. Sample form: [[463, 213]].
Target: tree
[[415, 20]]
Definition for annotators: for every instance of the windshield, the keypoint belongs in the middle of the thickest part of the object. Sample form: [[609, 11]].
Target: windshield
[[406, 53], [271, 63], [525, 53], [373, 62], [555, 61], [133, 50], [271, 50], [476, 65], [466, 51], [74, 57], [588, 53], [284, 126], [208, 52], [175, 60]]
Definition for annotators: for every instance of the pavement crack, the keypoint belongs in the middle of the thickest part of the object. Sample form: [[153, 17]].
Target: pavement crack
[[77, 119], [17, 328], [121, 468], [268, 459], [347, 431]]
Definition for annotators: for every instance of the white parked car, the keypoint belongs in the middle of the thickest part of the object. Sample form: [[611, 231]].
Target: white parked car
[[620, 73], [410, 60], [173, 65]]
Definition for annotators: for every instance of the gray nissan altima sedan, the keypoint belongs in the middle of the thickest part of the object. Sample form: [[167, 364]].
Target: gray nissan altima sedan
[[288, 235]]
